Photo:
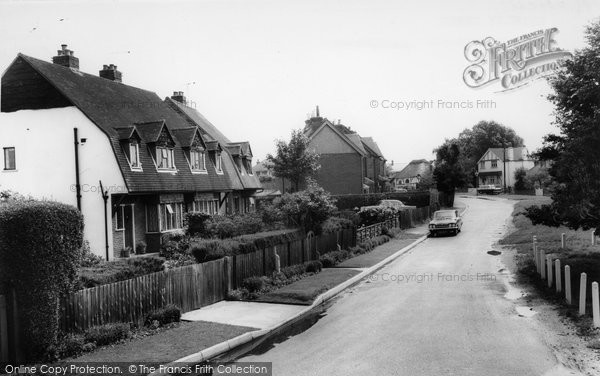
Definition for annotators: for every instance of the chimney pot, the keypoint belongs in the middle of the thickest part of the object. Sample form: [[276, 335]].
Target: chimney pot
[[66, 58], [110, 72]]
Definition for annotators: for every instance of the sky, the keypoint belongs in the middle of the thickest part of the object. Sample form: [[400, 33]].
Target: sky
[[257, 69]]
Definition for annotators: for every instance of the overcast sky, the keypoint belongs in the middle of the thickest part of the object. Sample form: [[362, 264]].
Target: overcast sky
[[256, 69]]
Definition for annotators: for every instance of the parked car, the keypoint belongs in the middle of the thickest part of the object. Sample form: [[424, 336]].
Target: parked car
[[396, 204], [445, 221], [489, 189]]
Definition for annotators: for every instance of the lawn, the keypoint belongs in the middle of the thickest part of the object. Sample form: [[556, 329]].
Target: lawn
[[380, 253], [307, 289], [578, 253], [185, 338]]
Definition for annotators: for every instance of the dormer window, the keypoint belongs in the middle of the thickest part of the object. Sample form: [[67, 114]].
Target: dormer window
[[165, 158], [248, 165], [134, 155], [219, 162], [197, 160]]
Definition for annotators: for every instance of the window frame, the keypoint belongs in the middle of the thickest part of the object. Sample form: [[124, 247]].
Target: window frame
[[7, 150], [201, 160], [494, 163], [170, 221], [219, 162], [134, 162], [168, 154]]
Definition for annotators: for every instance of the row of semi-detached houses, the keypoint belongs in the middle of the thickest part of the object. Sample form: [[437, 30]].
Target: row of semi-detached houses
[[130, 161]]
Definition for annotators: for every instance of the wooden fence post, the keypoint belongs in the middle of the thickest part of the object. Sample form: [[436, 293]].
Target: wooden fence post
[[277, 260], [542, 266], [549, 266], [535, 252], [557, 272], [3, 330], [562, 240], [228, 273], [582, 293], [568, 284], [595, 305]]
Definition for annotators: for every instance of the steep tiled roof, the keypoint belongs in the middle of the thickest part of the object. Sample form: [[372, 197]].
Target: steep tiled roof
[[416, 167], [231, 149], [371, 144], [116, 108]]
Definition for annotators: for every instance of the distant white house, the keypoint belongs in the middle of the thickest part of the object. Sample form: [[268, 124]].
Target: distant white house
[[497, 166]]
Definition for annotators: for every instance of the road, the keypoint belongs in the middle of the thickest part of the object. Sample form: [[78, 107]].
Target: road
[[450, 318]]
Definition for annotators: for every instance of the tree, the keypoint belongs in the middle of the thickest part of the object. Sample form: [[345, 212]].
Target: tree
[[476, 141], [575, 151], [294, 160], [449, 172], [539, 178], [520, 179]]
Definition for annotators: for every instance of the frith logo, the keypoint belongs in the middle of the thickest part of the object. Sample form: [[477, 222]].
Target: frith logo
[[514, 63]]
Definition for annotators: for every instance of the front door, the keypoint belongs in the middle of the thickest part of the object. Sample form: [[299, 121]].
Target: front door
[[128, 226]]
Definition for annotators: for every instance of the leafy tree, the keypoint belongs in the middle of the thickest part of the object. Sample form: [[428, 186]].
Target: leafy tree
[[449, 172], [539, 178], [294, 160], [521, 182], [575, 151]]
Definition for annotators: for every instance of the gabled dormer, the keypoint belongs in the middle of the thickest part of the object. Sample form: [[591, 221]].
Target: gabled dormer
[[215, 152], [130, 141], [242, 155], [161, 144], [194, 148]]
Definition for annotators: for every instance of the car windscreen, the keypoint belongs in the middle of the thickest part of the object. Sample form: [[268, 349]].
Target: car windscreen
[[443, 216]]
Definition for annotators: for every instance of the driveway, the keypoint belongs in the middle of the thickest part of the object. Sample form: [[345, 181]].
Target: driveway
[[438, 310]]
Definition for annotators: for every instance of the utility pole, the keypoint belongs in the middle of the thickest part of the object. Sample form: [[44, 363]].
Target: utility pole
[[504, 163]]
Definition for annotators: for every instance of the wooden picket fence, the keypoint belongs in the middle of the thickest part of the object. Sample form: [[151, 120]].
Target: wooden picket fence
[[405, 219]]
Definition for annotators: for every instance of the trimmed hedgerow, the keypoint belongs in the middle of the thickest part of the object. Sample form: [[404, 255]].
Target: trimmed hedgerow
[[352, 201], [107, 334], [40, 251], [166, 315], [195, 222], [120, 270]]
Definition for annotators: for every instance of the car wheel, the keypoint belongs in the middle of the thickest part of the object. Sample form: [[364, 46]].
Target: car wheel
[[432, 234], [455, 232]]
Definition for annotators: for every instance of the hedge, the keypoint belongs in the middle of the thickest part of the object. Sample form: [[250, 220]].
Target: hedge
[[40, 250], [349, 202]]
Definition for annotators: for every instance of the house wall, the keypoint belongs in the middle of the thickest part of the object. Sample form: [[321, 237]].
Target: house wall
[[45, 162], [340, 173], [327, 141]]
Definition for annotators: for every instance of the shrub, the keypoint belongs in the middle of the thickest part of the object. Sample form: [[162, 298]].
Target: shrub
[[140, 247], [166, 315], [327, 260], [352, 201], [169, 249], [89, 259], [374, 215], [145, 265], [40, 251], [308, 208], [180, 260], [107, 334], [71, 345], [238, 294], [228, 226], [253, 284], [313, 266], [334, 224], [195, 222]]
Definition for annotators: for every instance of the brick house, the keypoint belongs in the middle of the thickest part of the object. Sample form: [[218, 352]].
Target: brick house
[[130, 161], [349, 163]]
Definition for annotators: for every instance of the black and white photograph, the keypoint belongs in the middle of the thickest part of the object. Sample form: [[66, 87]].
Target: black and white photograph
[[300, 188]]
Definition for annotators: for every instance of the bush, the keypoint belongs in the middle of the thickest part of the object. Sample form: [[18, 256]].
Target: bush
[[107, 334], [166, 315], [253, 284], [140, 247], [120, 270], [71, 345], [292, 270], [374, 215], [40, 251], [308, 208], [334, 224], [195, 222], [353, 201], [89, 259], [313, 266], [327, 260]]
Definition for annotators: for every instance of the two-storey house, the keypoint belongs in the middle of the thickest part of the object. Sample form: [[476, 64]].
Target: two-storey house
[[497, 166], [130, 161]]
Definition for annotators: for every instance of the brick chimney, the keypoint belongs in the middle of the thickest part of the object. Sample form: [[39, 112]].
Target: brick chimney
[[110, 72], [179, 97], [66, 58]]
